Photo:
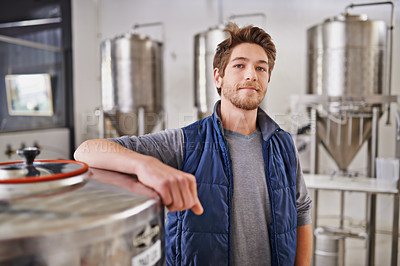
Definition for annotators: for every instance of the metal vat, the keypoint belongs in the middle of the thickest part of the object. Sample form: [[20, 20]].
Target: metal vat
[[346, 56], [205, 44], [59, 212], [346, 65], [132, 90]]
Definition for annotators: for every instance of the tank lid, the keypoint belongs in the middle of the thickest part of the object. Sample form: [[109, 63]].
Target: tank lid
[[31, 171], [347, 17]]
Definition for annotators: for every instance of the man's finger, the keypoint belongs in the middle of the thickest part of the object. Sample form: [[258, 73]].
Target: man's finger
[[197, 208]]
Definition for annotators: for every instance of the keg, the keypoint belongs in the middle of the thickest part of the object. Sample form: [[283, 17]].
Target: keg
[[60, 212], [329, 248]]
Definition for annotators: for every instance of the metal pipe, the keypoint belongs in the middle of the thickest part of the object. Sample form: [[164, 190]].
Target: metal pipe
[[29, 44], [395, 230], [371, 225], [220, 12], [390, 44], [371, 230], [32, 22], [151, 24], [339, 134], [374, 139], [328, 130], [396, 200], [350, 131], [361, 131], [314, 142], [264, 17], [342, 200], [314, 223]]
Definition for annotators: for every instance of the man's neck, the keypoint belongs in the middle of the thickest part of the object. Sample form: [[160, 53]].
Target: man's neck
[[238, 120]]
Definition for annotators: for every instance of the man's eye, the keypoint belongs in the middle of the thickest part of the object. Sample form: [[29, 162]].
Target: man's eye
[[238, 66], [260, 68]]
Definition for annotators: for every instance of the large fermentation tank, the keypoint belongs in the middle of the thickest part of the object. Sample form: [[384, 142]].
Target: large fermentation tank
[[59, 212], [205, 44], [132, 85], [346, 65]]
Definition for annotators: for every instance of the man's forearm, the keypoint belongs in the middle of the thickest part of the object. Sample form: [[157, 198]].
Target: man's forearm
[[177, 189], [106, 154], [304, 245]]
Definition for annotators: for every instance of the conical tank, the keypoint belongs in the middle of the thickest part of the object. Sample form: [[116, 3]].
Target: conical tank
[[346, 59]]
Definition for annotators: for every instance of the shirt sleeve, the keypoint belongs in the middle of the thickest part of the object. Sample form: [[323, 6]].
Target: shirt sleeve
[[167, 146], [303, 200]]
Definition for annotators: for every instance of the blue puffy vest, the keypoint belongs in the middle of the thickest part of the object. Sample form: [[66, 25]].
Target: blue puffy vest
[[206, 239]]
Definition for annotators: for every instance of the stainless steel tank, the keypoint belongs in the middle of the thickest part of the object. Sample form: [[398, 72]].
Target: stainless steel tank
[[132, 89], [346, 63], [60, 212], [347, 56], [205, 44]]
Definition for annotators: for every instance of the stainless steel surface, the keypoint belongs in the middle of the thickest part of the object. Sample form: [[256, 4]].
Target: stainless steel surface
[[16, 191], [346, 56], [367, 185], [330, 248], [346, 60], [111, 219], [205, 44], [390, 44], [16, 182], [343, 136], [131, 74], [314, 142], [395, 230]]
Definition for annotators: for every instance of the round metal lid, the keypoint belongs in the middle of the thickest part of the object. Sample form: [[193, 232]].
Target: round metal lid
[[40, 170], [31, 171], [346, 17], [30, 177]]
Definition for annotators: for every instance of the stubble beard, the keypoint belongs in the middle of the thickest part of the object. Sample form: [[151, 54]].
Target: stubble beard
[[241, 102]]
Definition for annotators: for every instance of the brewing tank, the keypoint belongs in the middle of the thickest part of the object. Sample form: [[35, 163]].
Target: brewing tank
[[346, 66], [205, 44], [346, 56], [131, 78]]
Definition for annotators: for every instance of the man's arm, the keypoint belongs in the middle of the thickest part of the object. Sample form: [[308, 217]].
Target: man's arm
[[304, 245], [177, 189]]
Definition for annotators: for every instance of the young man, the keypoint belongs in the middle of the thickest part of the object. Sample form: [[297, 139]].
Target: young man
[[232, 181]]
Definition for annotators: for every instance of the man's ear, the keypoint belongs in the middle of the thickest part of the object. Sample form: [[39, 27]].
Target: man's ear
[[217, 78]]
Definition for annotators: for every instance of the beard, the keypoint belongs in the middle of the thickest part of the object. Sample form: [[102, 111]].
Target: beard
[[240, 100]]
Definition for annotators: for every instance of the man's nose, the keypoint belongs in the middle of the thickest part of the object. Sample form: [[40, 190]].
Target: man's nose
[[251, 74]]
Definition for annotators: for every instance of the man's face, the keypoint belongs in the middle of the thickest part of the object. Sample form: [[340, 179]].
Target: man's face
[[246, 76]]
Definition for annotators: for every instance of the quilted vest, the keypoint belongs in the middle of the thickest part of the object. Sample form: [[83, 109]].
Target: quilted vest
[[206, 239]]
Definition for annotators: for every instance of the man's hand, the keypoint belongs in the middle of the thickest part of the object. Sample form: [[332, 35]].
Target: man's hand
[[177, 189]]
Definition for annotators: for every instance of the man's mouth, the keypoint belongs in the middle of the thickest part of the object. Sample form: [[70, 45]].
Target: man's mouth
[[248, 88]]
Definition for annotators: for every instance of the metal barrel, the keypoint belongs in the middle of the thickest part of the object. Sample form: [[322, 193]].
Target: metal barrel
[[205, 44], [132, 91], [346, 56]]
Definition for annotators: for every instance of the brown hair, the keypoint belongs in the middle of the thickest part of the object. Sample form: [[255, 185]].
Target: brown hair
[[249, 34]]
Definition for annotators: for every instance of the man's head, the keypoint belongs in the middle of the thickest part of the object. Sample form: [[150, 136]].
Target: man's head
[[249, 34]]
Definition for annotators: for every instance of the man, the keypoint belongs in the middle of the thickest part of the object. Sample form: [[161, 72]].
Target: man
[[238, 171]]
